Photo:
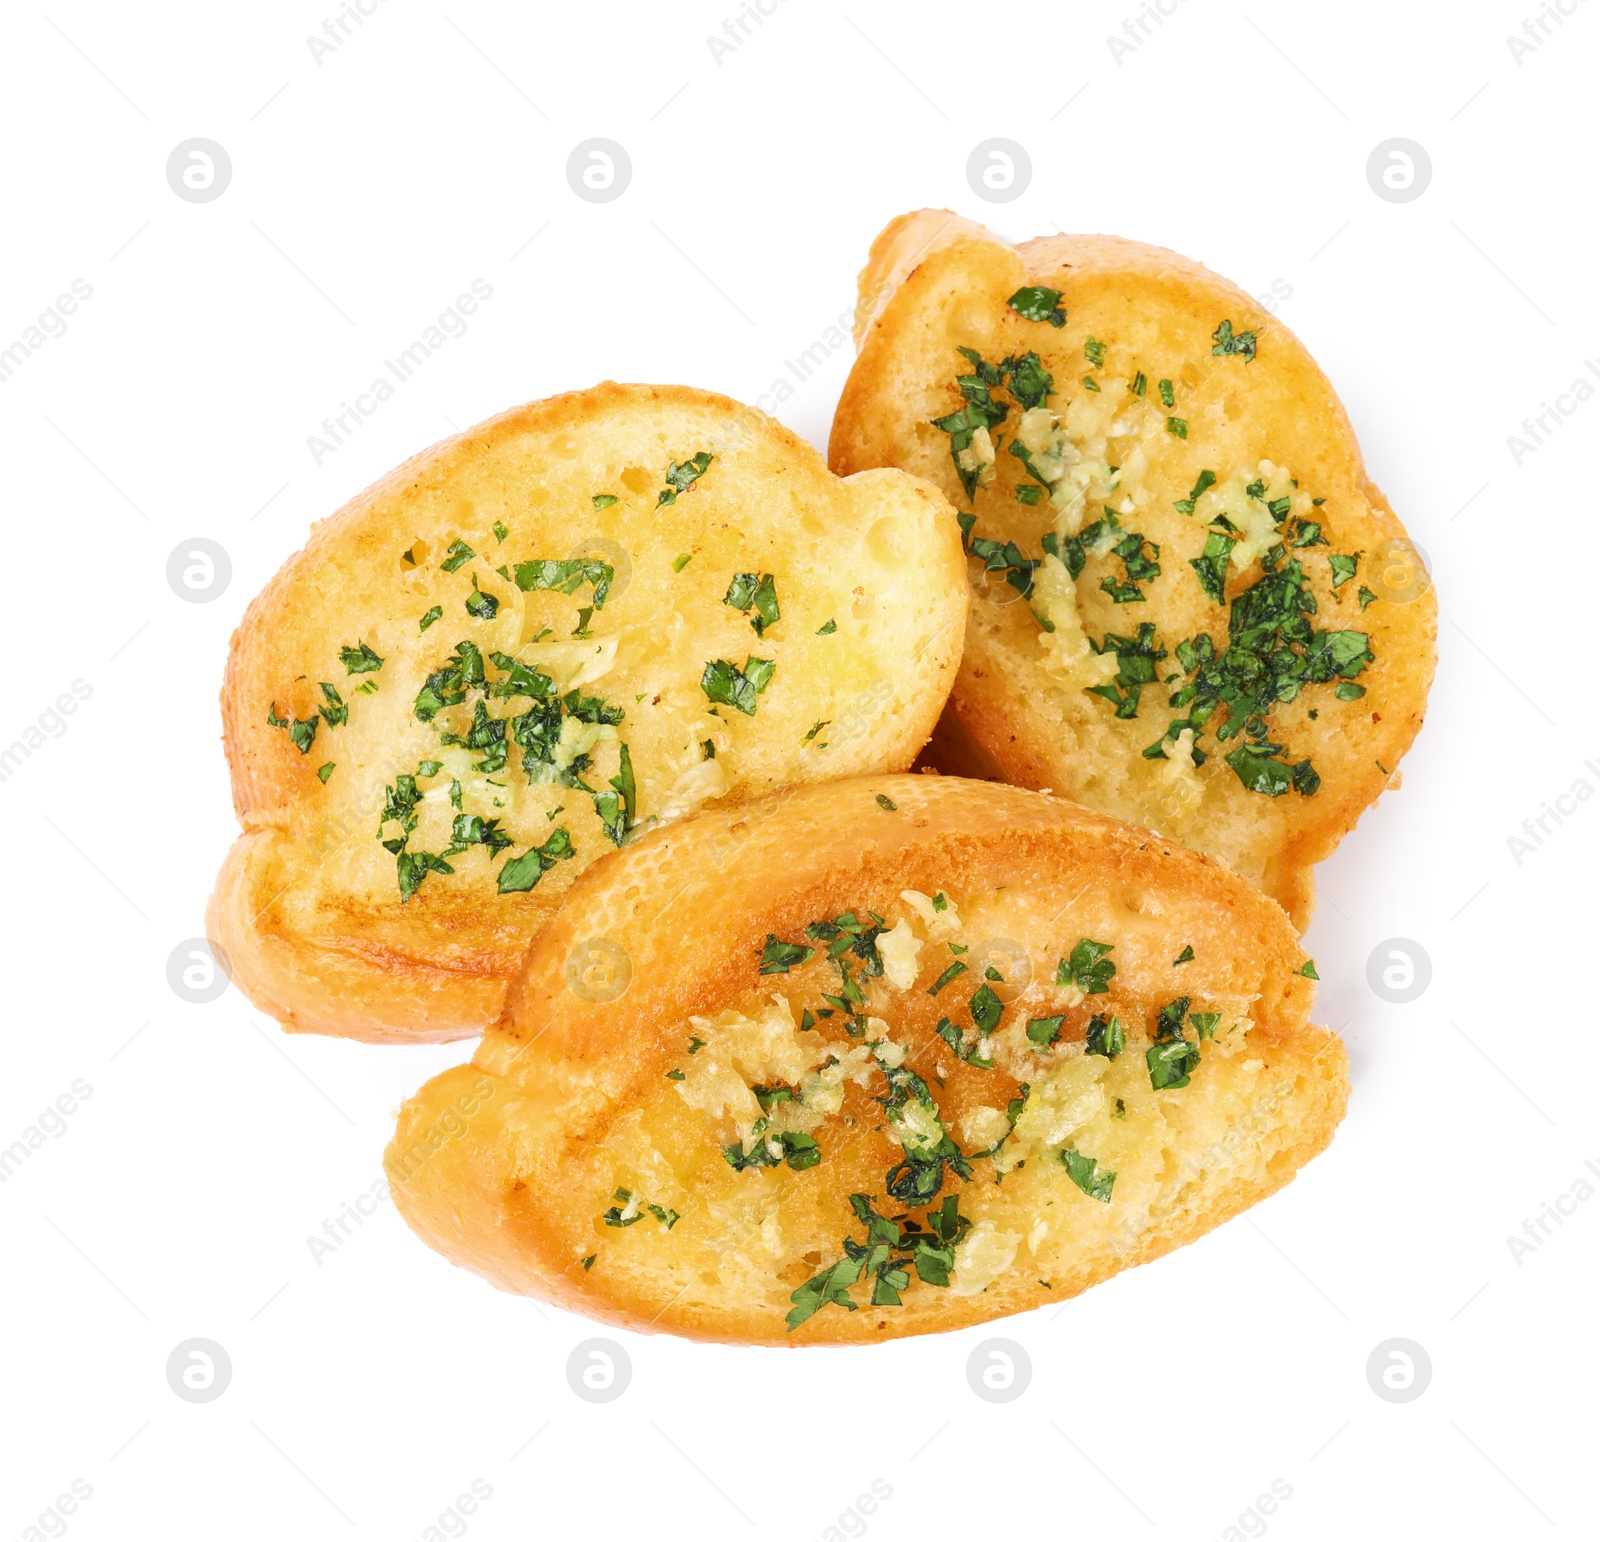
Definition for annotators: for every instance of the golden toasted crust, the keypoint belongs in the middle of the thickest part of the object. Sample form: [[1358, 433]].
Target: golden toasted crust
[[1021, 704], [308, 906], [622, 1066]]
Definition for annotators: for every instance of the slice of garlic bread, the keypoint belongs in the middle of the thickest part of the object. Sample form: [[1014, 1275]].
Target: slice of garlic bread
[[887, 1056], [528, 644], [1193, 609]]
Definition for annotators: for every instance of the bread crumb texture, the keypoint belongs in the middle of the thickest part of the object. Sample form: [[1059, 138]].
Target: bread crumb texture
[[576, 622], [874, 1072], [1169, 531]]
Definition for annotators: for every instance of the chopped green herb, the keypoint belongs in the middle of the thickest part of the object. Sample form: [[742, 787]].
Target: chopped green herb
[[1167, 397], [681, 477], [324, 772], [813, 731], [468, 830], [680, 562], [1342, 569], [1104, 1036], [1309, 970], [1087, 967], [1171, 1057], [566, 576], [1186, 956], [414, 866], [1205, 1023], [780, 957], [458, 556], [1139, 383], [1033, 302], [727, 685], [1225, 341], [830, 1288], [302, 732], [1044, 1031], [827, 628], [521, 873], [483, 606], [617, 1215], [886, 803], [1084, 1171], [1178, 426], [616, 810], [1211, 566], [603, 500], [955, 970], [758, 591], [433, 615], [986, 1008], [333, 708], [1201, 483], [500, 532], [359, 660], [1138, 568], [1027, 380], [1094, 350]]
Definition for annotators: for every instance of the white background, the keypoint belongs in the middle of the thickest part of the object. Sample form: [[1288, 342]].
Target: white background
[[368, 190]]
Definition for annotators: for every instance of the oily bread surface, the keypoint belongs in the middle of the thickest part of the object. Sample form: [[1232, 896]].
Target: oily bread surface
[[308, 907], [509, 1164], [935, 283]]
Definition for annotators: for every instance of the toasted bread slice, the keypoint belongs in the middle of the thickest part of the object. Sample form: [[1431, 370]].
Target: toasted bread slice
[[579, 619], [1194, 609], [887, 1056]]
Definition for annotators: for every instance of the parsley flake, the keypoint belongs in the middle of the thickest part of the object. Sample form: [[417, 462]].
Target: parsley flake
[[1033, 302]]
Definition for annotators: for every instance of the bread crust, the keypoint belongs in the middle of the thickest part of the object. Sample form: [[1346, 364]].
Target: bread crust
[[936, 282], [505, 1165], [307, 908]]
